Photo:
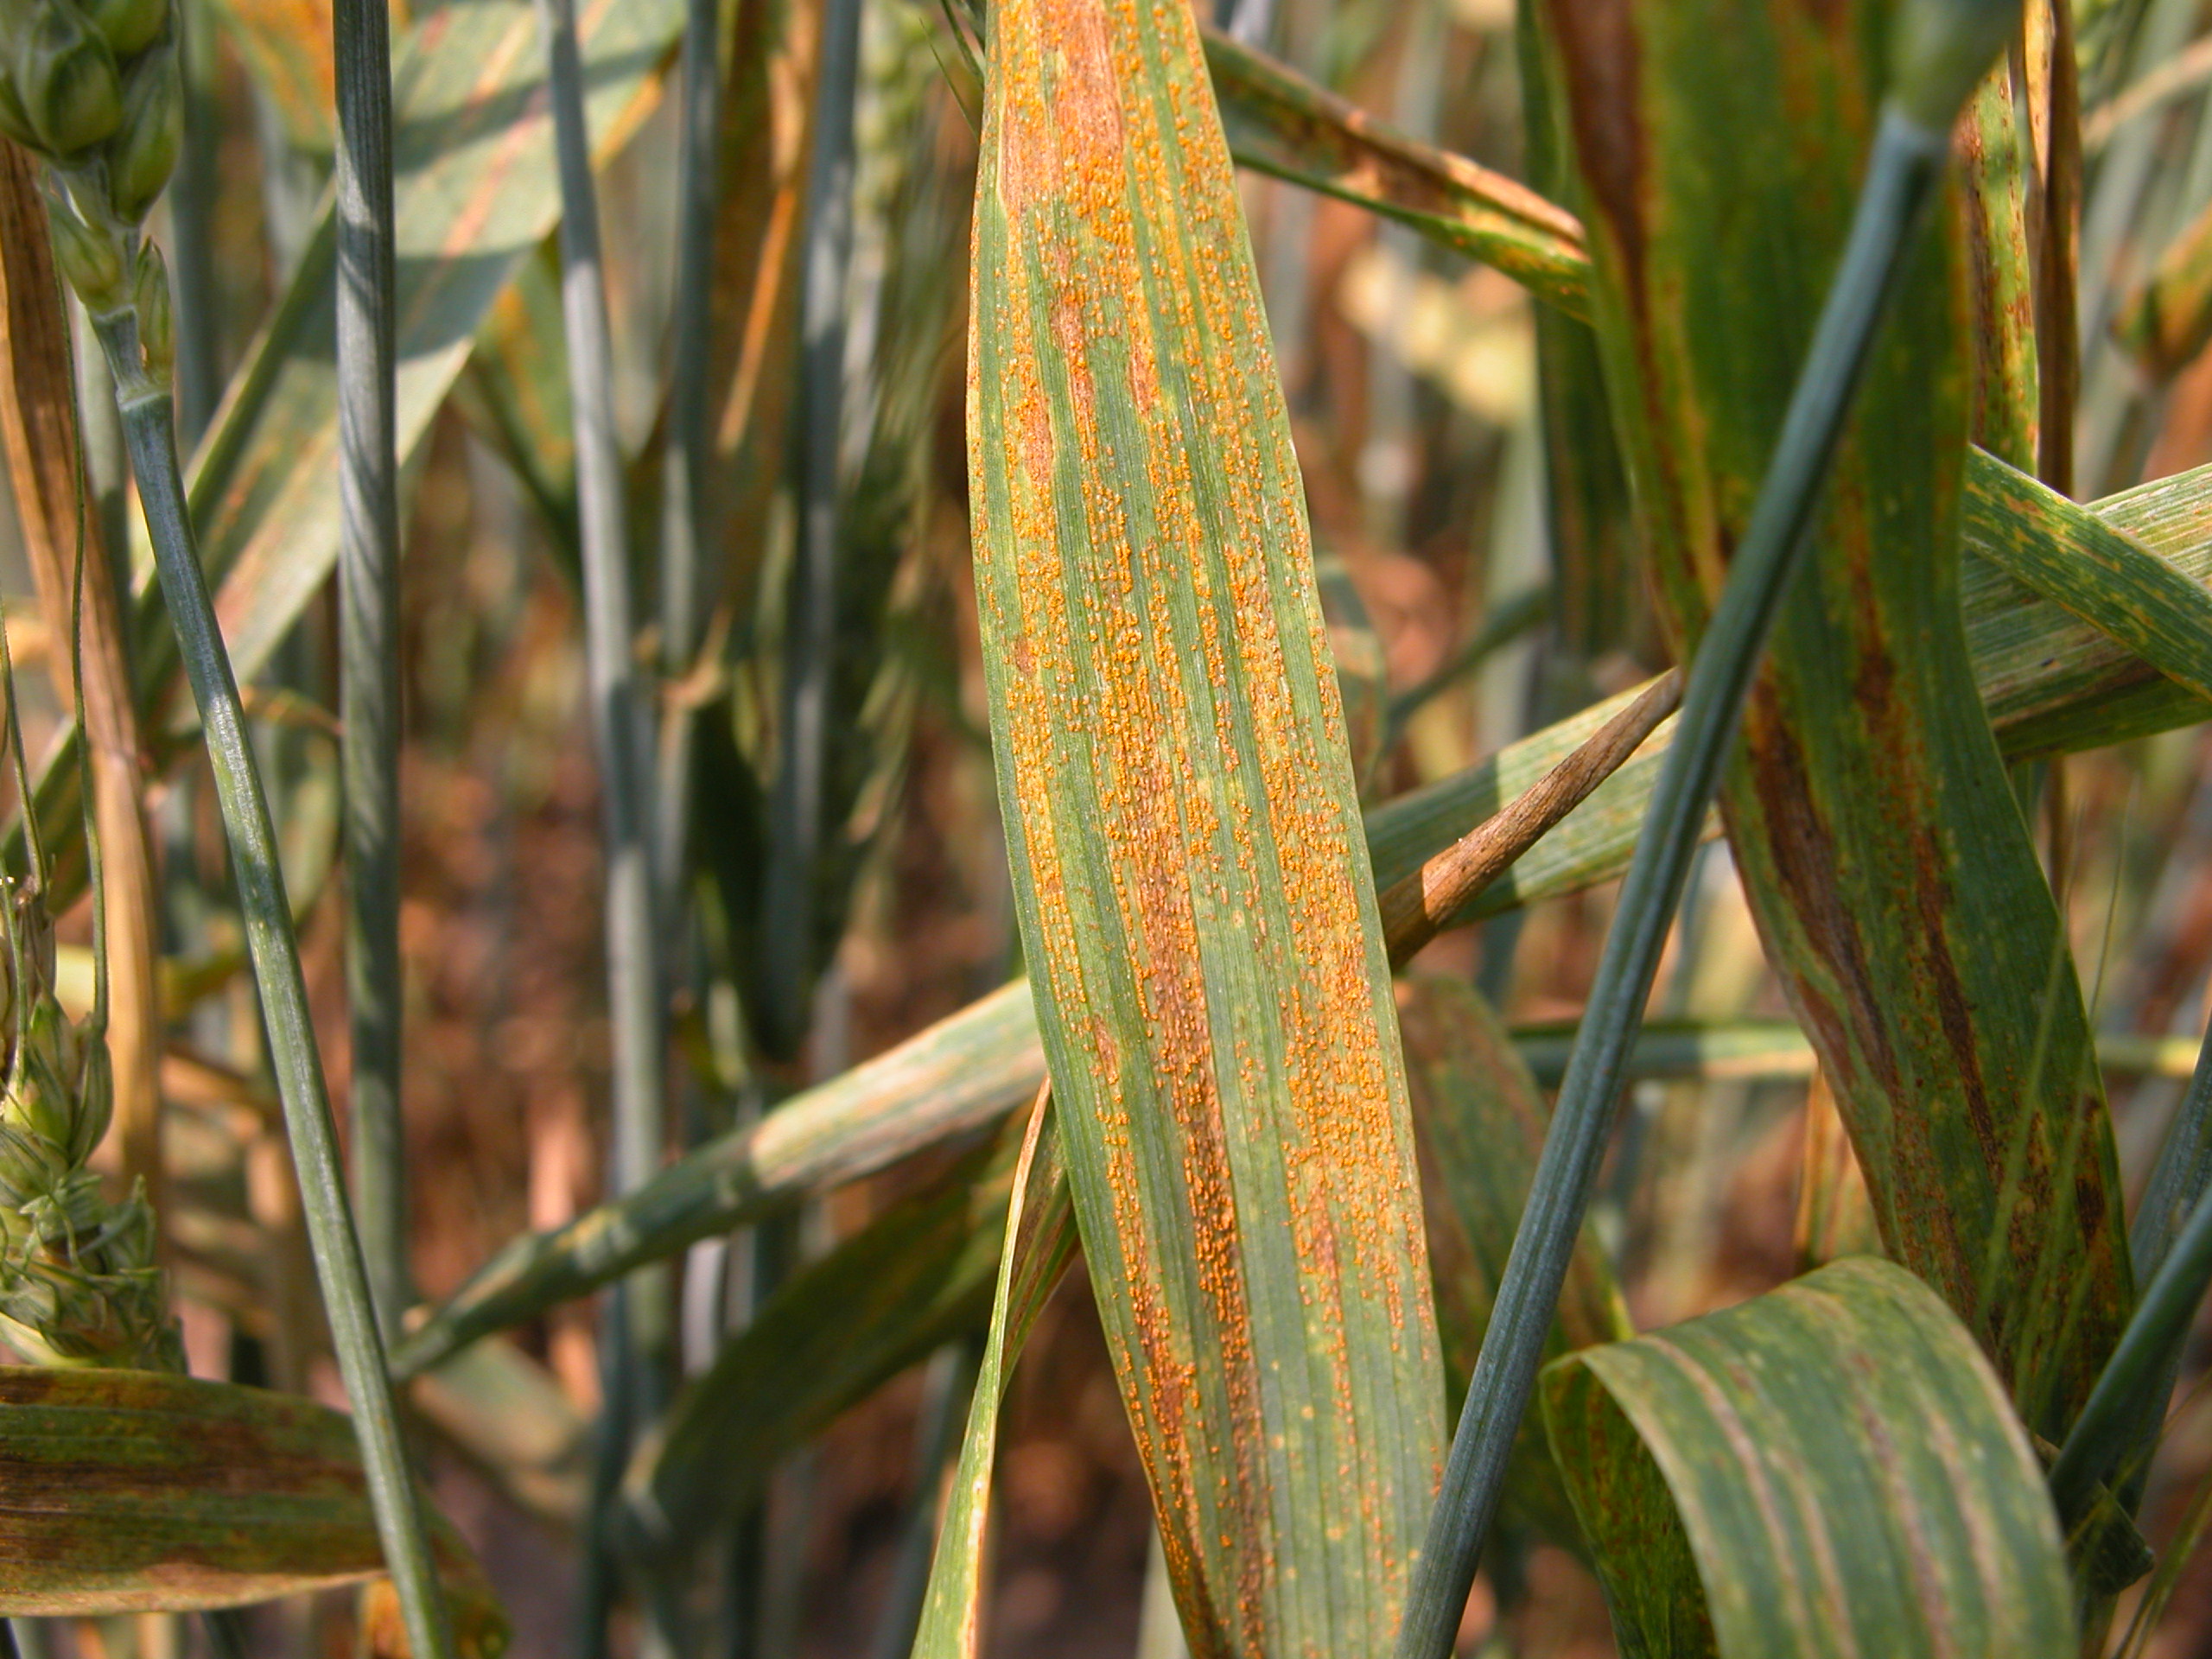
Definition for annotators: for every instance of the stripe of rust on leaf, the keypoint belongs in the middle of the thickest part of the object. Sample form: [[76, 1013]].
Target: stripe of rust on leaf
[[1188, 855], [1893, 882]]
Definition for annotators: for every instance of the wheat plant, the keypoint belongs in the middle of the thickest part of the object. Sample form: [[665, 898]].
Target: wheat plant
[[1519, 859]]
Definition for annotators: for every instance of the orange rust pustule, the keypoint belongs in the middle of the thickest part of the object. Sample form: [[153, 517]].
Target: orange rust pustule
[[1187, 853]]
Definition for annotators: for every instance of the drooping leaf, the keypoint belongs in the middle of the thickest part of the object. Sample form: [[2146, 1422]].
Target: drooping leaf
[[1039, 1242], [1183, 832], [1830, 1469], [958, 1078], [134, 1492], [1719, 145]]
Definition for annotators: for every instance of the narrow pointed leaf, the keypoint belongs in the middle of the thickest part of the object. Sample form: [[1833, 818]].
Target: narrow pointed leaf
[[1039, 1242], [1830, 1469], [133, 1491], [1184, 835], [1868, 808]]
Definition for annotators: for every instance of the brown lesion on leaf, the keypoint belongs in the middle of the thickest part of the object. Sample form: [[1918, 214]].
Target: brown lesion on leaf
[[1600, 58]]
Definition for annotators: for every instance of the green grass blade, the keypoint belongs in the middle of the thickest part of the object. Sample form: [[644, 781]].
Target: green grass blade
[[632, 1350], [2048, 678], [948, 1395], [474, 192], [138, 1491], [1040, 1242], [368, 607], [2049, 681], [688, 526], [192, 232], [1831, 1468], [2127, 1406], [2181, 1175], [1184, 836], [147, 408], [1598, 602], [791, 925]]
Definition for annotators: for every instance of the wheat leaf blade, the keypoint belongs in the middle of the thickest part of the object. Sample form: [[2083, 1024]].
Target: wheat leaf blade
[[1830, 1468]]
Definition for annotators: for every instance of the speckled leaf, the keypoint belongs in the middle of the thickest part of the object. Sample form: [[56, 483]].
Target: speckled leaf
[[1037, 1248], [1195, 906], [129, 1492], [2048, 680], [1829, 1470], [2094, 569], [1995, 167], [1720, 145]]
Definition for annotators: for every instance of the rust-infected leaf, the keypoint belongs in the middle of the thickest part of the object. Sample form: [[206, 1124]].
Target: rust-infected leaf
[[1829, 1468], [1188, 867], [138, 1491], [1719, 144]]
